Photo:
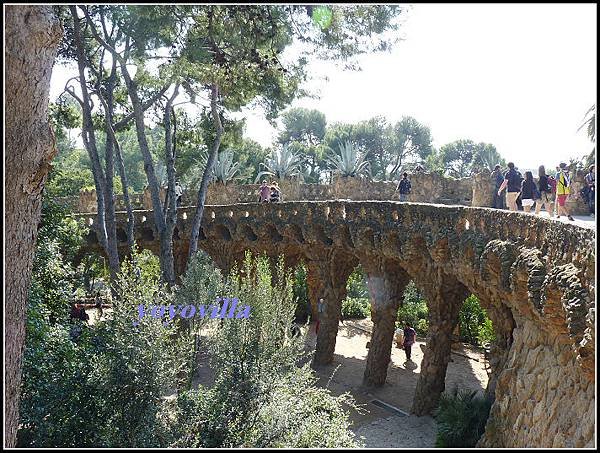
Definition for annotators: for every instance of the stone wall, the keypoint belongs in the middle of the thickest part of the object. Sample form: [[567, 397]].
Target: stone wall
[[536, 278], [426, 188]]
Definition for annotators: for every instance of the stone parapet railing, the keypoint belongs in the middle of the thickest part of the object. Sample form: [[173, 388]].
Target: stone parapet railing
[[426, 188]]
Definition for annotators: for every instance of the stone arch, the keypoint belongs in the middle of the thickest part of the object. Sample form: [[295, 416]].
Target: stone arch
[[147, 234], [121, 235]]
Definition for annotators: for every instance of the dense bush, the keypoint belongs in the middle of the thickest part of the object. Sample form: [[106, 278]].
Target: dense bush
[[261, 397], [102, 388], [414, 310], [356, 308], [461, 418], [356, 287], [475, 326], [300, 291]]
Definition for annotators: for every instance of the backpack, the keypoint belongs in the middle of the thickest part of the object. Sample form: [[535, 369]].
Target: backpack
[[552, 183]]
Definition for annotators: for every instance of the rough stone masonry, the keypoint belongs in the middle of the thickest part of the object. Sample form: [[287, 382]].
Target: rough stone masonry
[[535, 277]]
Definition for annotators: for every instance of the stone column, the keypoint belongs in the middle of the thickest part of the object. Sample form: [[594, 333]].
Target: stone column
[[445, 296], [326, 279], [386, 283], [503, 323]]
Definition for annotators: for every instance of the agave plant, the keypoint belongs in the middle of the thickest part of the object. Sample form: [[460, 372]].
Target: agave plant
[[282, 164], [349, 162], [224, 170]]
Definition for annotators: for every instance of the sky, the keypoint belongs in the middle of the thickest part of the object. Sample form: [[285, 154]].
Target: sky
[[518, 76]]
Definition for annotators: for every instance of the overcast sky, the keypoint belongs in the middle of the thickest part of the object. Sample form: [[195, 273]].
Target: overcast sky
[[518, 76]]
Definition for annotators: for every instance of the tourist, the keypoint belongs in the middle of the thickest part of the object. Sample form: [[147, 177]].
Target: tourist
[[497, 178], [178, 193], [264, 193], [546, 189], [590, 185], [404, 187], [320, 313], [78, 312], [563, 190], [529, 192], [399, 337], [519, 200], [275, 193], [409, 339], [512, 183]]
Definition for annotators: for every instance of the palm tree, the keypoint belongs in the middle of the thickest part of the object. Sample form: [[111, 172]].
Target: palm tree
[[283, 163], [349, 162]]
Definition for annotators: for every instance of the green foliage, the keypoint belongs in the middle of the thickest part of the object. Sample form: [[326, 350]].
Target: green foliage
[[461, 418], [475, 326], [261, 397], [461, 158], [283, 163], [104, 388], [414, 310], [300, 291], [349, 162], [304, 130], [356, 286], [358, 308], [485, 332]]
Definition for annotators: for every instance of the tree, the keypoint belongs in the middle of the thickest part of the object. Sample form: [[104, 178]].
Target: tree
[[486, 156], [305, 128], [461, 157], [411, 140], [32, 35]]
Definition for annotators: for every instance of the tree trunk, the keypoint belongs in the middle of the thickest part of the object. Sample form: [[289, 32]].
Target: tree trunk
[[207, 173], [32, 34], [167, 260], [104, 182]]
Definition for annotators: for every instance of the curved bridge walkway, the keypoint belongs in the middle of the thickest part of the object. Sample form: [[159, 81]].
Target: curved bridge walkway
[[534, 276]]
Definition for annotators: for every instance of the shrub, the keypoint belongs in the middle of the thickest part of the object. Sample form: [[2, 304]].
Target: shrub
[[414, 310], [356, 308], [422, 327], [300, 291], [485, 333], [104, 388], [475, 326], [356, 288], [261, 397], [461, 418]]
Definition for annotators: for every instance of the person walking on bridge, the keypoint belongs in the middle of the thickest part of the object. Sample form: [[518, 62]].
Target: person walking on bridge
[[563, 190], [264, 193], [546, 190], [512, 182], [404, 187]]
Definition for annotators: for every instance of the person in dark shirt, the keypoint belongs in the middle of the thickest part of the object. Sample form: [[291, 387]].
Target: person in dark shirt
[[546, 193], [512, 183], [404, 187], [409, 339], [275, 193], [590, 186], [528, 191], [497, 178]]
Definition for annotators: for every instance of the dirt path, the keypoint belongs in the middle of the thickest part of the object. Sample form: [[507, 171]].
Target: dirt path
[[379, 427]]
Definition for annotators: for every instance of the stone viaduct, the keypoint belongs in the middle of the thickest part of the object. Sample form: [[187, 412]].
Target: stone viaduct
[[535, 277]]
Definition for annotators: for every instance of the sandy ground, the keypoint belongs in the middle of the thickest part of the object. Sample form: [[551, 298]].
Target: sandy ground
[[376, 426]]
